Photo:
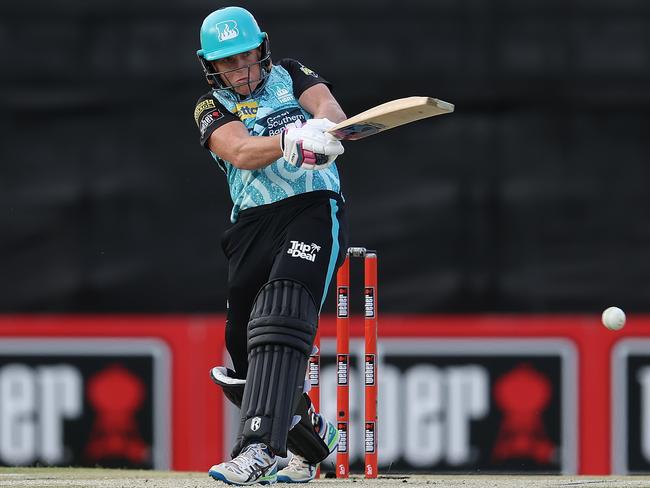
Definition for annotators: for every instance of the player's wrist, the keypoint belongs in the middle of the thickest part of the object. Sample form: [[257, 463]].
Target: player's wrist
[[307, 147]]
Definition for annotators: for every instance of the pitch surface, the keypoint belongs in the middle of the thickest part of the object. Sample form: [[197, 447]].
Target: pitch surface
[[111, 478]]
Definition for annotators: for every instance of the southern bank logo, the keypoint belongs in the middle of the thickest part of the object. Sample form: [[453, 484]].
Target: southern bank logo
[[227, 30], [274, 123]]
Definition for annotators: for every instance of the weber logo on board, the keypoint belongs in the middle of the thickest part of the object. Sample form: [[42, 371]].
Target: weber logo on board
[[453, 405], [343, 436], [342, 369], [369, 302], [342, 306], [314, 370], [84, 402], [369, 376], [369, 440]]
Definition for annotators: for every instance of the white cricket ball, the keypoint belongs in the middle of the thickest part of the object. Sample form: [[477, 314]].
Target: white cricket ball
[[613, 318]]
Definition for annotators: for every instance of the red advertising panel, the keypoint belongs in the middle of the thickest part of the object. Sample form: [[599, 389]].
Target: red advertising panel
[[75, 390], [85, 402], [491, 393], [465, 404]]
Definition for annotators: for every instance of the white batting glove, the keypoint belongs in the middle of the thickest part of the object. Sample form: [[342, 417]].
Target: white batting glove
[[308, 148], [320, 124]]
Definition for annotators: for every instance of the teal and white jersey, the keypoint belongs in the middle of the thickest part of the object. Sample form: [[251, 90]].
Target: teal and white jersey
[[266, 113]]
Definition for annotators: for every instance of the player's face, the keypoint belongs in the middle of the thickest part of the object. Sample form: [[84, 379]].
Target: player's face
[[237, 73]]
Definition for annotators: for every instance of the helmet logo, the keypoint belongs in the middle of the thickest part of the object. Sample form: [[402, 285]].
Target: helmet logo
[[227, 30]]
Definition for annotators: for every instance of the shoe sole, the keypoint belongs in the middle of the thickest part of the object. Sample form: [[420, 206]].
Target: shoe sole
[[286, 479], [331, 447], [220, 477]]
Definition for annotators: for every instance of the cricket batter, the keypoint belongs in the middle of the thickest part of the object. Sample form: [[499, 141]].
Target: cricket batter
[[264, 124]]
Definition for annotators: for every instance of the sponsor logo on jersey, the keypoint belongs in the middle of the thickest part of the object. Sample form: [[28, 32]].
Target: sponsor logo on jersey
[[273, 124], [282, 93], [208, 119], [227, 30], [307, 71], [202, 107], [299, 249], [246, 110]]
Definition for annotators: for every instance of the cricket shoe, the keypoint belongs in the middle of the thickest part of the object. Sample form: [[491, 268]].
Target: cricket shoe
[[255, 464], [299, 470]]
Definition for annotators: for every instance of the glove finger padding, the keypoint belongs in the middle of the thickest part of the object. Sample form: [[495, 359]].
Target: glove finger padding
[[322, 125], [308, 148]]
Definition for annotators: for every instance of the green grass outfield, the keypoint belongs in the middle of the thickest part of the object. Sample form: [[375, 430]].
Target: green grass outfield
[[116, 478]]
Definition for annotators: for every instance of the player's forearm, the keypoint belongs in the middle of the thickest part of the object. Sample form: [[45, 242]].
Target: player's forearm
[[256, 152], [330, 110]]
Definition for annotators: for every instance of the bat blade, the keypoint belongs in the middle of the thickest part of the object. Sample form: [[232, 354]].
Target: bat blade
[[389, 115]]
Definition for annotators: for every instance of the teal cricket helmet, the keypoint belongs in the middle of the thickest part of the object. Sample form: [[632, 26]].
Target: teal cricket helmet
[[229, 31]]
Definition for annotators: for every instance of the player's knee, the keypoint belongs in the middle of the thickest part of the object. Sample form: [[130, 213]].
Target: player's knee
[[284, 313]]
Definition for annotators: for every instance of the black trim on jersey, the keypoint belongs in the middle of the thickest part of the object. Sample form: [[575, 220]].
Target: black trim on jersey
[[209, 115], [302, 76]]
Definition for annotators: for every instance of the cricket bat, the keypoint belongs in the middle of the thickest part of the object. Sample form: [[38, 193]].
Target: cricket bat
[[388, 115]]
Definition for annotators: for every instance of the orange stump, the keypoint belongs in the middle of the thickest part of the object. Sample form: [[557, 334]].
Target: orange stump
[[343, 367], [370, 362], [370, 366]]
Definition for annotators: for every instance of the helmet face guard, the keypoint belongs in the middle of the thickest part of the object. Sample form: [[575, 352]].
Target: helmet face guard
[[227, 32], [219, 82]]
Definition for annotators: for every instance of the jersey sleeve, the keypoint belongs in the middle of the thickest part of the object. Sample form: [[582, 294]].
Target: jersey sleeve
[[209, 115], [302, 76]]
